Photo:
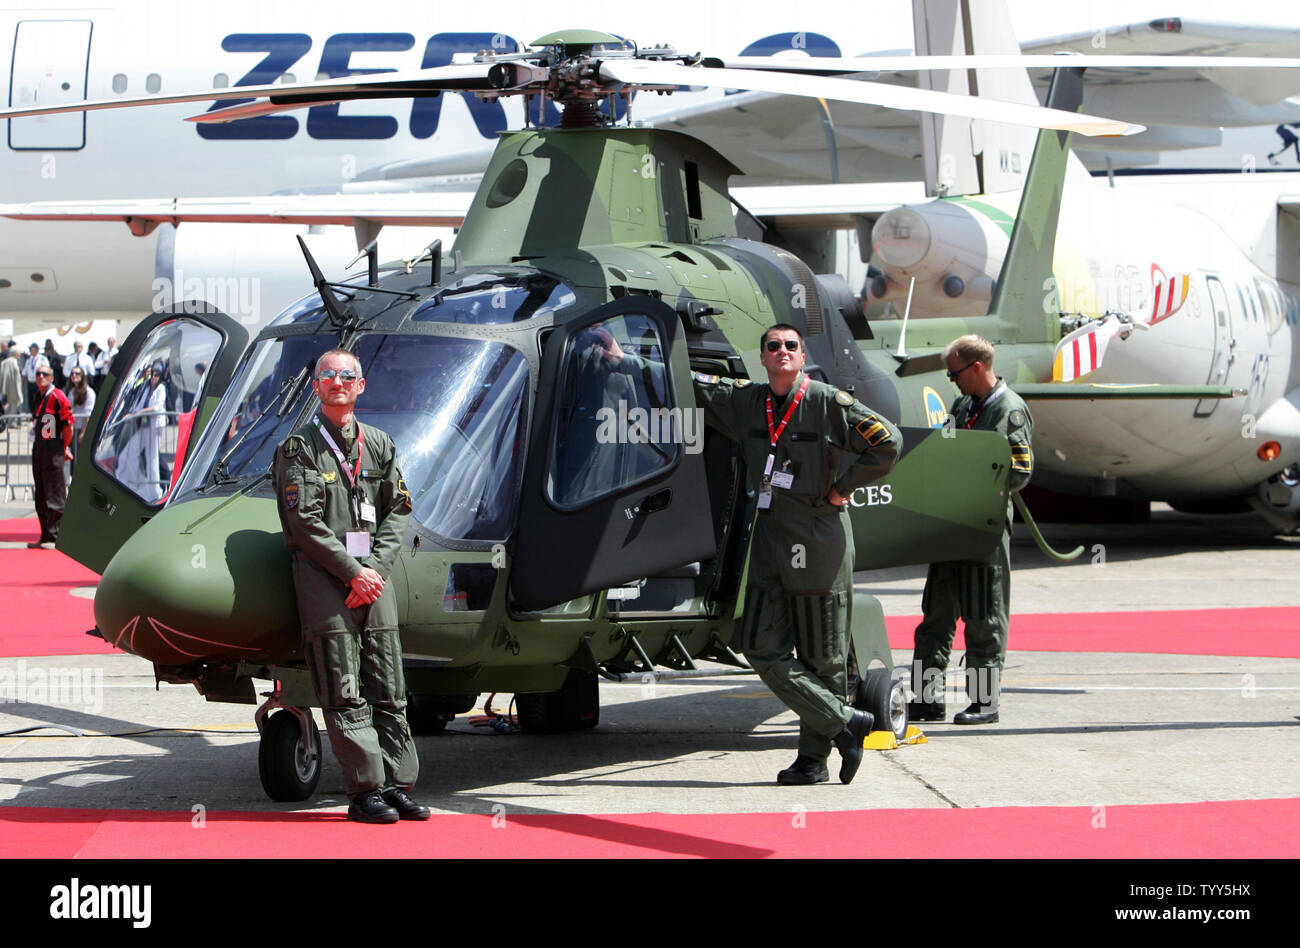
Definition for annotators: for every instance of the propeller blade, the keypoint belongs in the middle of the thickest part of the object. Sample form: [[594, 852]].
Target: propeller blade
[[860, 64], [1082, 351], [866, 93], [411, 82]]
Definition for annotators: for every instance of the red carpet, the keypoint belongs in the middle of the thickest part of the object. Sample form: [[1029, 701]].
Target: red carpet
[[40, 614], [37, 583], [1268, 829], [1267, 632]]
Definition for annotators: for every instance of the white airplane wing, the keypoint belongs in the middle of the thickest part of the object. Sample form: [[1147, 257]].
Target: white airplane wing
[[1175, 36], [427, 209]]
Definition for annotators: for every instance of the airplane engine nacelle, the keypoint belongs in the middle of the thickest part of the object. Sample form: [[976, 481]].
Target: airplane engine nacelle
[[953, 255]]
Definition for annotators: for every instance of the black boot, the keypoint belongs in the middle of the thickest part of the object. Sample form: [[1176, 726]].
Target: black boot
[[983, 686], [370, 807], [849, 743], [406, 808], [926, 711], [804, 770]]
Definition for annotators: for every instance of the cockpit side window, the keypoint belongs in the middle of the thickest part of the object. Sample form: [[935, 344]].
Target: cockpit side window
[[617, 423], [147, 426]]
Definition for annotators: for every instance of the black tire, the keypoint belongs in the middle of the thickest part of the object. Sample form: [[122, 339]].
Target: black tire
[[429, 714], [574, 707], [289, 770], [886, 698]]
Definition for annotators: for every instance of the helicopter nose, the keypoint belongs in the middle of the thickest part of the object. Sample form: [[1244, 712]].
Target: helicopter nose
[[204, 579]]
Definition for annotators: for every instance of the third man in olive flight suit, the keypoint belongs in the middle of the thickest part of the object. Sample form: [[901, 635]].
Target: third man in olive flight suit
[[807, 446], [980, 593], [345, 508]]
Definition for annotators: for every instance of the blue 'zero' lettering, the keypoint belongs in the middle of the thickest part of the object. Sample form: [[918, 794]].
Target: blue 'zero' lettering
[[282, 51]]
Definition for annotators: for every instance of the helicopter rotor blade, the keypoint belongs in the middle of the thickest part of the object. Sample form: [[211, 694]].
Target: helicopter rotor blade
[[865, 93], [875, 64], [390, 85]]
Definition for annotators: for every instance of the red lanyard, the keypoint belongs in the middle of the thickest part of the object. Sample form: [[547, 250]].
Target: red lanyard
[[775, 433], [340, 456]]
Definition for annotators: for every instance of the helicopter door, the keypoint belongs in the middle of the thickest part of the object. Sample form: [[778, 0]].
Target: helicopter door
[[614, 488], [162, 388]]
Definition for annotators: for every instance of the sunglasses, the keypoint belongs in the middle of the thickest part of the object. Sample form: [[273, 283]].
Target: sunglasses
[[44, 372], [952, 376], [346, 376], [774, 345]]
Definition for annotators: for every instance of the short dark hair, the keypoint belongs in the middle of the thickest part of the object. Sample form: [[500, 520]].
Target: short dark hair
[[762, 342]]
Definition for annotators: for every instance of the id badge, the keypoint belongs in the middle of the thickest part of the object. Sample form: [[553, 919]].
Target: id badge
[[764, 499], [367, 512], [358, 543], [783, 480]]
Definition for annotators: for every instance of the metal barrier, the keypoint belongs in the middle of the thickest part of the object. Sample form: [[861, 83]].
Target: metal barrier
[[16, 462], [17, 479]]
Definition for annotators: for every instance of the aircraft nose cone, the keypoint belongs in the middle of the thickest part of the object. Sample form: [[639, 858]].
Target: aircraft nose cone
[[204, 579]]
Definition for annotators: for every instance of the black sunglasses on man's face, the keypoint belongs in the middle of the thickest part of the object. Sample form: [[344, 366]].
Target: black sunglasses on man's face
[[774, 345]]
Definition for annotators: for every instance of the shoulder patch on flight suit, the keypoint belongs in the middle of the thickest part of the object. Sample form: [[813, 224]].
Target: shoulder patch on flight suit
[[291, 496], [1016, 418], [329, 476], [292, 446], [706, 379], [843, 398], [872, 431], [741, 383]]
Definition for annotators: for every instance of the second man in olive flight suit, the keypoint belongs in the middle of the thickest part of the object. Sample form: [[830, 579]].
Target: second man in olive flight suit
[[980, 593], [345, 508], [797, 436]]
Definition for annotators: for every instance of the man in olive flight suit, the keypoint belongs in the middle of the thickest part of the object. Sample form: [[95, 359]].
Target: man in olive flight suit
[[345, 509], [980, 592], [815, 448]]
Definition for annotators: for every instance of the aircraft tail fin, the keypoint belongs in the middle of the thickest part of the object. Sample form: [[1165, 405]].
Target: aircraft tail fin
[[1026, 300]]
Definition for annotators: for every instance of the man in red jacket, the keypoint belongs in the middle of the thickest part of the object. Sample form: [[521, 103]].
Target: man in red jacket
[[51, 446]]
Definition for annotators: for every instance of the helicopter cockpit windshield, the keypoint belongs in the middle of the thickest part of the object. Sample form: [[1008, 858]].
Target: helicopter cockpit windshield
[[452, 405]]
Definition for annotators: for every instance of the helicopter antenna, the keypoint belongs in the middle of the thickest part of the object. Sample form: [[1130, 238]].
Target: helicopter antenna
[[902, 334], [371, 252], [337, 317]]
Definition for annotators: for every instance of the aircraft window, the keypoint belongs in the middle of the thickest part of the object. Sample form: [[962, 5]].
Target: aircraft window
[[152, 82], [147, 425], [303, 311], [119, 83], [486, 298], [220, 81], [453, 408], [617, 424], [258, 410]]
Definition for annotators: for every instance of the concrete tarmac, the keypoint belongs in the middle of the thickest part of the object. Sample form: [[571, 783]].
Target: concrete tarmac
[[1077, 729]]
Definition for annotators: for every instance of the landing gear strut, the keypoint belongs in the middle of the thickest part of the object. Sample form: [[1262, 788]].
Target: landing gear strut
[[288, 758]]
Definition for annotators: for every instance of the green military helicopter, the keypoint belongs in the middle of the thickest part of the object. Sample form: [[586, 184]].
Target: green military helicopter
[[543, 553]]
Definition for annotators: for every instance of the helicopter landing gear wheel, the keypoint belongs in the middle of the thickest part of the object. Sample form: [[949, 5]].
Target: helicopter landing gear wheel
[[574, 707], [886, 698], [289, 756]]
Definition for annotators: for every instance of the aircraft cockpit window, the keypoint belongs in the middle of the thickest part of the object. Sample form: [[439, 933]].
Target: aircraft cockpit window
[[453, 407], [147, 426], [489, 298], [617, 421], [258, 410]]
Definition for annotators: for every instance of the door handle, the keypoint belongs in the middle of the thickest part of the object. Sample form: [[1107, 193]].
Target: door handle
[[651, 503]]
